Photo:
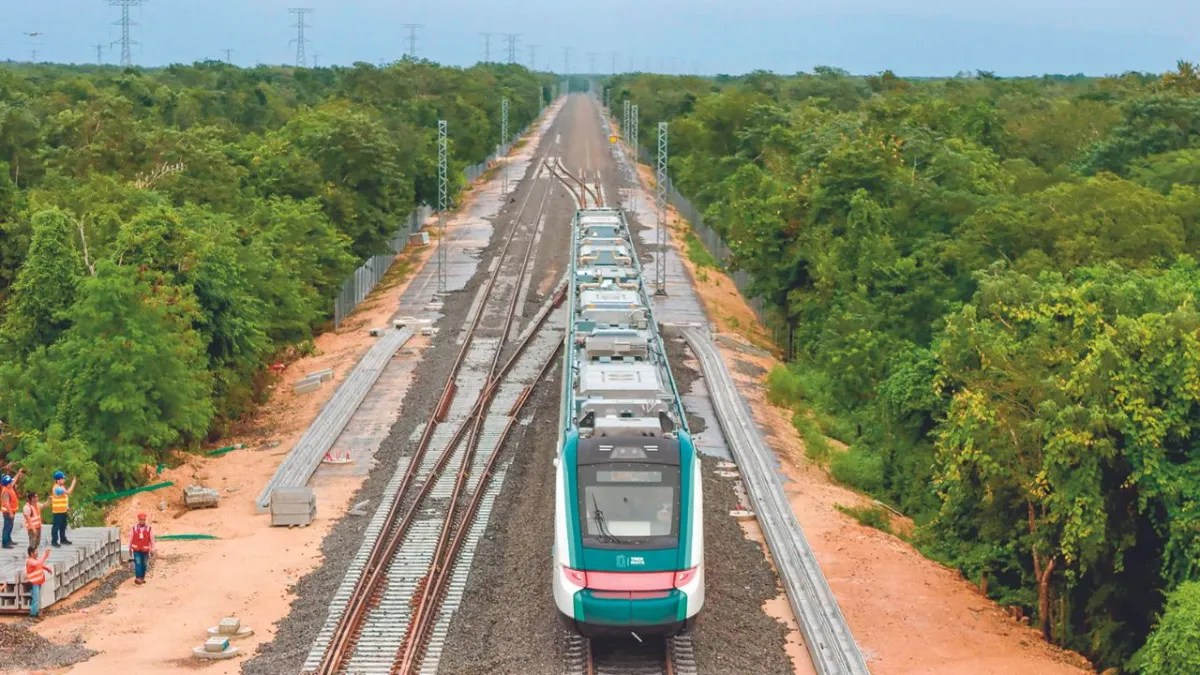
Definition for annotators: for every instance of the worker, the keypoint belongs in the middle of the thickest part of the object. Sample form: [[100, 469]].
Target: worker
[[35, 576], [60, 503], [33, 519], [8, 505], [141, 547]]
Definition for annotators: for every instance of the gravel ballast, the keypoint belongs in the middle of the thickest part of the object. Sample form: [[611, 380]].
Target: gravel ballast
[[23, 649], [297, 632]]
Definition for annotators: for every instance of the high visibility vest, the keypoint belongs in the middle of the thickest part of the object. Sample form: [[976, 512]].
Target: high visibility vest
[[140, 539], [8, 500], [35, 572], [33, 517], [59, 503]]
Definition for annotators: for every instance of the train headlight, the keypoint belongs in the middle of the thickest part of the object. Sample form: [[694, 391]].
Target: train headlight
[[682, 578], [577, 577]]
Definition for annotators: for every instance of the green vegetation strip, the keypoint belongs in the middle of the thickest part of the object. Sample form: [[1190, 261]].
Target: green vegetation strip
[[132, 491]]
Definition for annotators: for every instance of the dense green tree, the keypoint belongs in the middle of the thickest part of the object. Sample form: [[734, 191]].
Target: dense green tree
[[45, 288], [131, 370]]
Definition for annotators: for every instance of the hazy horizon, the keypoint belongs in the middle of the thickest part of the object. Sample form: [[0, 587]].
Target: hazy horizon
[[915, 38]]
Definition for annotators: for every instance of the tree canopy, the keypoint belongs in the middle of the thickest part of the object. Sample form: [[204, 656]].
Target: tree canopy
[[166, 234], [991, 287]]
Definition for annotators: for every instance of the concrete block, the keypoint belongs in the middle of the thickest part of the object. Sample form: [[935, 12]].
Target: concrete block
[[229, 625], [305, 386], [322, 375], [216, 644], [297, 495], [198, 497], [242, 632], [202, 653], [283, 520], [290, 509], [419, 238]]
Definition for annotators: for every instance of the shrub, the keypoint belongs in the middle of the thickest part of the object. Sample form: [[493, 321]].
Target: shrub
[[859, 468]]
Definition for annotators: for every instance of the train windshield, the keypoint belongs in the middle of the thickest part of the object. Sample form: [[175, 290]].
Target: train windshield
[[629, 505]]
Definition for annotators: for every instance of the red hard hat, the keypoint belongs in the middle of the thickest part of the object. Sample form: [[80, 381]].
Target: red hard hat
[[141, 516]]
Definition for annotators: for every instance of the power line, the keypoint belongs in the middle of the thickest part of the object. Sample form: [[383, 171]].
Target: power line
[[125, 22], [512, 46], [487, 47], [301, 40], [412, 38]]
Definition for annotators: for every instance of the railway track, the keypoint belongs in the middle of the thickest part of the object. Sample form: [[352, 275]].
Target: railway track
[[826, 634], [651, 656], [392, 612]]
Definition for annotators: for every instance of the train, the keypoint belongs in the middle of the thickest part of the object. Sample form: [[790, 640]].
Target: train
[[629, 534]]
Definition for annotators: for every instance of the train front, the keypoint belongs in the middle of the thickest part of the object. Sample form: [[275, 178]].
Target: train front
[[629, 539]]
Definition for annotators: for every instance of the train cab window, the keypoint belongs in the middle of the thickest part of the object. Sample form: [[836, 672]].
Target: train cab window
[[633, 505]]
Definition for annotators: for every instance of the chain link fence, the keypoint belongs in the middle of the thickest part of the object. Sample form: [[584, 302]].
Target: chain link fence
[[779, 330], [364, 279]]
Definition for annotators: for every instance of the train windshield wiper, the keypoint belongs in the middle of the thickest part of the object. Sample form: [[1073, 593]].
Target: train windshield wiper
[[605, 535]]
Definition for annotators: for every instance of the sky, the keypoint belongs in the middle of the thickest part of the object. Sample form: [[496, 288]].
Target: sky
[[909, 37]]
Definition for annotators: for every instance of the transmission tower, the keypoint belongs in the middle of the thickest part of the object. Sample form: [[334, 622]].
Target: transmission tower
[[566, 61], [487, 47], [512, 46], [412, 38], [228, 55], [625, 119], [503, 144], [125, 22], [633, 127], [533, 56], [660, 194], [592, 63], [99, 54], [301, 40], [443, 187], [316, 60], [614, 64]]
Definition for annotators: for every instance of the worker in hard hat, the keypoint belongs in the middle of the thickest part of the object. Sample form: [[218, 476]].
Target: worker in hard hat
[[60, 503], [8, 506], [141, 547]]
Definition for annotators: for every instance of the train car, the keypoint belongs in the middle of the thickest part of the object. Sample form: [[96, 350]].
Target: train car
[[629, 536]]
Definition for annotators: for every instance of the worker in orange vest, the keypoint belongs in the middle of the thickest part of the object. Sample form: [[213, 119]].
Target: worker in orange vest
[[35, 576], [141, 547], [8, 506], [33, 519]]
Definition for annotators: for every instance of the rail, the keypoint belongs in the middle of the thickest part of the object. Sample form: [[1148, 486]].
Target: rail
[[830, 644], [399, 520]]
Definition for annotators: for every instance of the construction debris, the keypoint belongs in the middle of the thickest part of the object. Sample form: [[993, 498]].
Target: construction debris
[[197, 497]]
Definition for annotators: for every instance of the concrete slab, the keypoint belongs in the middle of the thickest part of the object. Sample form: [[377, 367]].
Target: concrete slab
[[92, 552]]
